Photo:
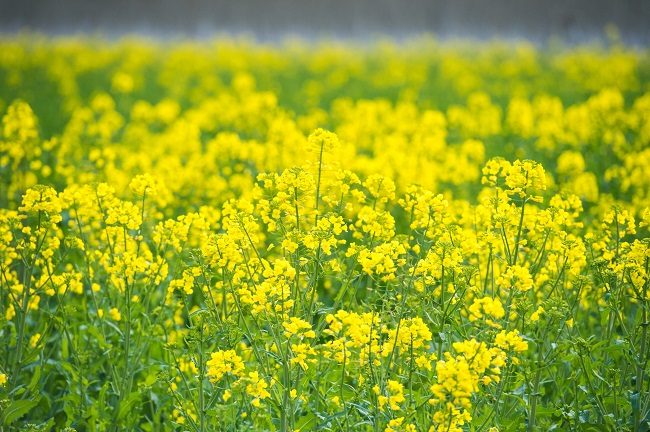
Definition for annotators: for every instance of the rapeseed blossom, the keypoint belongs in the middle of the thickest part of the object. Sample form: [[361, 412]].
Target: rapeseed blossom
[[297, 327], [257, 386], [340, 254], [224, 362]]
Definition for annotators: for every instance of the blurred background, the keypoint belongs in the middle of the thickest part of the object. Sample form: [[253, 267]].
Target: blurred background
[[573, 21]]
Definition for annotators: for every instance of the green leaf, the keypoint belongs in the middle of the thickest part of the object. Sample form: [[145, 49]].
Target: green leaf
[[198, 311], [151, 380], [69, 368], [634, 400], [101, 399], [33, 354], [92, 417], [334, 416], [595, 427], [116, 328], [306, 420], [127, 405], [16, 410], [64, 348], [48, 425], [33, 383], [363, 410], [618, 345], [597, 375], [545, 411], [98, 336]]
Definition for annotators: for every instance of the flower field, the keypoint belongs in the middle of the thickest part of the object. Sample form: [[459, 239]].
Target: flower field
[[226, 235]]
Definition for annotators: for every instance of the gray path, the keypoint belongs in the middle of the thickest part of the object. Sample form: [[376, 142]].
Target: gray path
[[572, 20]]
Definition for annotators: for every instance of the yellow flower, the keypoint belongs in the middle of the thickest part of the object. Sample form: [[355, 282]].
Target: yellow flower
[[124, 213], [516, 277], [488, 306], [535, 315], [296, 326], [144, 185], [185, 284], [325, 140], [33, 341], [257, 387], [115, 314], [524, 176], [42, 199], [3, 379], [224, 362], [380, 187], [393, 395], [511, 341], [301, 353], [289, 245], [394, 424], [423, 362]]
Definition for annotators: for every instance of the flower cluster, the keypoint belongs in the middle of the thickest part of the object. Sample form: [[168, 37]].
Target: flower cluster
[[342, 254]]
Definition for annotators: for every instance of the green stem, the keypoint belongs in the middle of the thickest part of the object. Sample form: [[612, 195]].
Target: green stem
[[201, 379], [295, 200], [23, 309], [601, 407], [320, 169], [515, 252], [533, 403], [443, 318], [640, 368], [495, 406]]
